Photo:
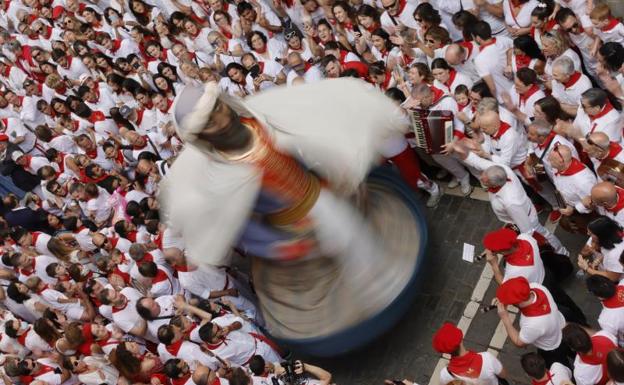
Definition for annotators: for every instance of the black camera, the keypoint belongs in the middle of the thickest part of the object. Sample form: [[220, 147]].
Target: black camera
[[290, 376]]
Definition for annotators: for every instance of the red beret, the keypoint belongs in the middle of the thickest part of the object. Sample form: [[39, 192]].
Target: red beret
[[499, 240], [448, 338], [513, 291], [4, 138]]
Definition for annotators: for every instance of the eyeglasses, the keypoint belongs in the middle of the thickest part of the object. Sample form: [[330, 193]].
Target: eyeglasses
[[592, 143]]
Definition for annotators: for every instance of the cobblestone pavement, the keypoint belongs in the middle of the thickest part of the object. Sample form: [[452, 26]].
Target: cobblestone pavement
[[405, 351]]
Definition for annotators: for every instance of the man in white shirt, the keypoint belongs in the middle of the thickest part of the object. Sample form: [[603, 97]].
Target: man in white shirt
[[607, 199], [540, 319], [508, 147], [303, 70], [461, 57], [509, 201], [398, 15], [596, 114], [173, 344], [591, 350], [465, 365], [491, 61], [568, 84], [579, 30], [600, 150], [611, 295], [535, 367], [520, 252], [124, 309], [572, 179]]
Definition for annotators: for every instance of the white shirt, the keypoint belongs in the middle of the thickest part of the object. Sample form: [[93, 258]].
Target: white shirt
[[543, 152], [510, 203], [611, 258], [527, 106], [569, 53], [543, 331], [609, 124], [533, 273], [572, 93], [127, 318], [612, 34], [575, 187], [523, 18], [492, 61], [510, 149], [406, 18], [611, 319], [586, 374]]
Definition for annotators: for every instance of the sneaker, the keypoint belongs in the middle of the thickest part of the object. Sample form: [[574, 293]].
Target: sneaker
[[554, 216], [434, 199], [453, 183], [466, 189], [441, 174]]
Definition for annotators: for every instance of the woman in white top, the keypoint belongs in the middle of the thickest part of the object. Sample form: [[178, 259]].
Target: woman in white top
[[265, 49], [525, 54], [447, 78], [518, 15], [555, 45], [603, 249], [523, 95], [542, 20], [383, 50]]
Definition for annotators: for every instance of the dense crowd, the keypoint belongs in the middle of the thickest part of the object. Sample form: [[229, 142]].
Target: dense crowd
[[96, 289]]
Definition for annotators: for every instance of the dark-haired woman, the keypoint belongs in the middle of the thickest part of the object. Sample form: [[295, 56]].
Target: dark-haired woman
[[525, 54], [447, 78], [525, 92], [541, 20], [549, 109], [382, 49], [603, 253]]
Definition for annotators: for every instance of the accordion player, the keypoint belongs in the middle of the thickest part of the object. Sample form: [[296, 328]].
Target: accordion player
[[432, 129]]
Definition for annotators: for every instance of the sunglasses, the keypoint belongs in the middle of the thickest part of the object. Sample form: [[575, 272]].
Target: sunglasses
[[592, 143]]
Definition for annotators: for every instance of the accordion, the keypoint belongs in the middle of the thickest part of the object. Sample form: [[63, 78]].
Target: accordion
[[432, 129]]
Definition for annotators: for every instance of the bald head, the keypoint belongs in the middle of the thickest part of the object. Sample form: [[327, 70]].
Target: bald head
[[560, 158], [597, 145], [489, 122], [454, 54], [604, 194]]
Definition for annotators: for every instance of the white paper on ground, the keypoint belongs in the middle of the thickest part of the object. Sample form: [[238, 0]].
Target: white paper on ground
[[469, 253]]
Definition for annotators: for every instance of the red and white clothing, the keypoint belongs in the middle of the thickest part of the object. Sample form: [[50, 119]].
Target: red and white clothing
[[32, 341], [584, 42], [167, 308], [405, 17], [591, 369], [525, 261], [492, 60], [126, 316], [543, 150], [571, 91], [73, 311], [312, 74], [455, 79], [605, 121], [615, 153], [541, 322], [14, 77], [558, 374], [526, 101], [616, 212], [611, 317], [14, 128], [467, 67], [511, 204], [521, 19], [74, 68], [569, 53], [613, 32], [188, 351], [508, 147], [164, 283], [472, 368], [574, 184], [270, 68], [44, 373]]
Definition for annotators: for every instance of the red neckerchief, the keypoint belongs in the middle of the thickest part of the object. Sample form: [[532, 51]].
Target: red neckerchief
[[522, 256], [402, 4], [613, 22], [605, 110], [438, 94], [617, 300], [118, 309], [160, 276], [97, 116], [539, 307], [451, 79], [169, 103], [116, 45], [543, 382], [139, 116], [530, 92], [614, 150], [69, 62], [183, 268], [114, 242], [261, 50], [523, 61], [462, 106], [619, 205], [601, 346], [22, 337], [7, 70], [494, 190], [29, 270], [131, 236], [174, 348], [501, 130], [28, 160], [35, 235], [546, 141], [47, 33], [347, 25], [468, 365], [373, 27], [226, 33], [43, 369], [573, 79], [43, 288], [488, 44], [92, 154], [135, 147], [575, 167], [104, 341], [214, 346]]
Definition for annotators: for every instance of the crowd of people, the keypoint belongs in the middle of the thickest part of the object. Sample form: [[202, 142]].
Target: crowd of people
[[96, 289]]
